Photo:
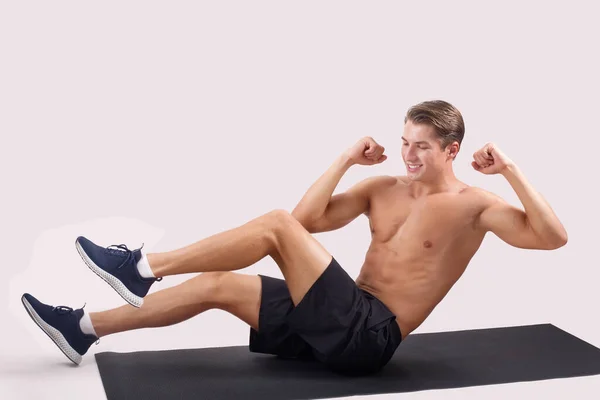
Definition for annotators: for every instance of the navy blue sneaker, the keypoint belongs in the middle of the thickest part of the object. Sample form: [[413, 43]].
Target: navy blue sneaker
[[118, 267], [61, 324]]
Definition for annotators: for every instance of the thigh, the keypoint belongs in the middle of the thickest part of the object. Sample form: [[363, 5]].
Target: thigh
[[330, 314], [301, 258], [264, 303], [275, 336]]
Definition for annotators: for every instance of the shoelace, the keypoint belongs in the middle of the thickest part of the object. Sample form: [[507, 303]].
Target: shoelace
[[130, 259], [123, 250], [62, 310]]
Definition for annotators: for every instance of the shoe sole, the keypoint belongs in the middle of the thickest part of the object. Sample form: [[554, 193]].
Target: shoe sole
[[114, 282], [52, 333]]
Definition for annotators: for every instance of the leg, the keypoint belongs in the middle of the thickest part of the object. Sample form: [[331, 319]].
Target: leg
[[301, 258], [237, 294], [225, 251]]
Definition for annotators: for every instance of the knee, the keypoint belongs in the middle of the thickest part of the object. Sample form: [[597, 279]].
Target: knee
[[280, 223], [214, 287], [277, 225], [216, 278], [281, 219], [230, 290]]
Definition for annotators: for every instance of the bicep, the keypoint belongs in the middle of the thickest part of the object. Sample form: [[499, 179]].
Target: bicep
[[344, 207], [510, 224]]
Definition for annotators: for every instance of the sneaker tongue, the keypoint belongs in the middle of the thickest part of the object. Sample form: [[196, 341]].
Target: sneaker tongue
[[78, 313], [137, 255]]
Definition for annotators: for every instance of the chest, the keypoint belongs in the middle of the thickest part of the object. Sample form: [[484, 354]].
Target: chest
[[429, 220]]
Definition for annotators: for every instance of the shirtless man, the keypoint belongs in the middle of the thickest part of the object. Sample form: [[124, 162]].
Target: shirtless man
[[425, 228]]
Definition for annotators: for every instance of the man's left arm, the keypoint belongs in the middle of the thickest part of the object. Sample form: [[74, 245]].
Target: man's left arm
[[537, 227]]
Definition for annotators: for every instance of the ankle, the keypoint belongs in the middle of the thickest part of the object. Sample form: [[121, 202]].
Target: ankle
[[157, 263], [99, 327], [86, 325], [144, 268]]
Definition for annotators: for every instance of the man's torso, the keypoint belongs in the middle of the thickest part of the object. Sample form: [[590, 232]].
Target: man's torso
[[419, 247]]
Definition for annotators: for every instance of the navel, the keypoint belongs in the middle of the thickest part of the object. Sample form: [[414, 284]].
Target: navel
[[427, 244]]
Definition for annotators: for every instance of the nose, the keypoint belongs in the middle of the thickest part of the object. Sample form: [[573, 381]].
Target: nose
[[410, 154]]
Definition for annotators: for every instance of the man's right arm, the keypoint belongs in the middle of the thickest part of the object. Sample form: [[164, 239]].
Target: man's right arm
[[313, 204], [318, 211]]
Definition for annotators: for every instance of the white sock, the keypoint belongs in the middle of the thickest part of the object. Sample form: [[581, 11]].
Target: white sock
[[85, 323], [144, 268]]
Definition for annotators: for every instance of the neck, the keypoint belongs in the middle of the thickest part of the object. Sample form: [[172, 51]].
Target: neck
[[442, 183]]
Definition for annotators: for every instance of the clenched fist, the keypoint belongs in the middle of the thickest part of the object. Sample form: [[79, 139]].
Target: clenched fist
[[490, 160], [367, 152]]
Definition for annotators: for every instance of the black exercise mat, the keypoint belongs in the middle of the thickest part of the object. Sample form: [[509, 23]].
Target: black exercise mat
[[423, 361]]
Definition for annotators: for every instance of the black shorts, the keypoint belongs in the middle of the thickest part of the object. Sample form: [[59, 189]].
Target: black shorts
[[336, 322]]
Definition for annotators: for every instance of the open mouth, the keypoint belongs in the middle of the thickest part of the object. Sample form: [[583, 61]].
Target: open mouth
[[413, 167]]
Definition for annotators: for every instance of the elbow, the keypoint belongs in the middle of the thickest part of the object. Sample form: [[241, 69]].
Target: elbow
[[563, 241], [305, 222], [298, 216], [558, 241], [563, 238]]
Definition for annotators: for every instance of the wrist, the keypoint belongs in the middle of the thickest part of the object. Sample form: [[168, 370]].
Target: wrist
[[346, 160], [509, 169]]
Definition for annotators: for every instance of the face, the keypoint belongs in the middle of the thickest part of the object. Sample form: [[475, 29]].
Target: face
[[420, 148]]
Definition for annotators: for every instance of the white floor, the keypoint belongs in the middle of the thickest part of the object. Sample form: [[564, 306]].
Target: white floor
[[33, 368]]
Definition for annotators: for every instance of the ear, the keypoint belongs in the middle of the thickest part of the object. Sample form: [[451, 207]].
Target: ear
[[452, 150]]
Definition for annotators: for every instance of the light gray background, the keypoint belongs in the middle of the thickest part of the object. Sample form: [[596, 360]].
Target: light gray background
[[165, 122]]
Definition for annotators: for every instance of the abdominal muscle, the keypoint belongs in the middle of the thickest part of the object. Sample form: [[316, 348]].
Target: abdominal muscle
[[409, 282]]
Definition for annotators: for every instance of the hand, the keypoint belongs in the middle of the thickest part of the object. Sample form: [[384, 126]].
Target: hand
[[490, 160], [367, 152]]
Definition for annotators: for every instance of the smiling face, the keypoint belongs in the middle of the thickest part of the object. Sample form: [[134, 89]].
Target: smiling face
[[421, 152]]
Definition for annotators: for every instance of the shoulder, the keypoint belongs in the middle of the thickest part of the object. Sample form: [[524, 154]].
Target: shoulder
[[367, 188], [481, 195], [489, 208], [376, 186], [378, 182]]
